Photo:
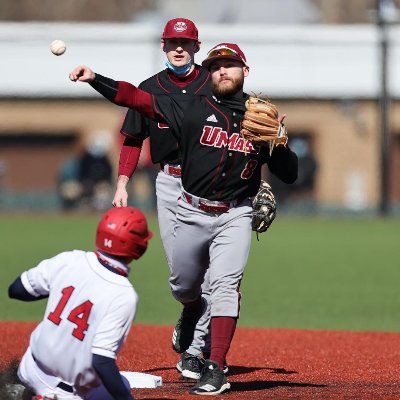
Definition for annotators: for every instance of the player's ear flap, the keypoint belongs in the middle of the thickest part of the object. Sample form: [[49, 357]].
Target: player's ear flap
[[197, 46]]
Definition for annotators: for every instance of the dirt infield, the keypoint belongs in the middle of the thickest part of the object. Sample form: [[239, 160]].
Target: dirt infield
[[263, 363]]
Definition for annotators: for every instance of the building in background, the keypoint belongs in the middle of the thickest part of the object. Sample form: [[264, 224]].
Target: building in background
[[202, 11], [325, 77]]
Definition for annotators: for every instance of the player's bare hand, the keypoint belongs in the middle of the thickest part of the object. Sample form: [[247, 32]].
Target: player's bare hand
[[121, 194], [120, 198], [82, 73]]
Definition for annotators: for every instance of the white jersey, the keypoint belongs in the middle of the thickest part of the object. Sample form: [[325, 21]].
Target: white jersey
[[90, 310]]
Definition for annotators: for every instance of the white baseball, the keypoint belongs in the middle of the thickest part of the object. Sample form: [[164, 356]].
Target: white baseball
[[58, 47]]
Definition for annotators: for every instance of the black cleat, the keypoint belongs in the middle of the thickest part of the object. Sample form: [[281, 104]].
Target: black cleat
[[183, 334], [190, 366], [212, 381], [206, 356]]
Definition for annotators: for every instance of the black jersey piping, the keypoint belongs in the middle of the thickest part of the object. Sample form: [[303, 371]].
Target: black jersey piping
[[161, 86], [201, 86]]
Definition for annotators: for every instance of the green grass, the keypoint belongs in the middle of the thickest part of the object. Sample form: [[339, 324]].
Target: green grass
[[303, 273], [330, 274]]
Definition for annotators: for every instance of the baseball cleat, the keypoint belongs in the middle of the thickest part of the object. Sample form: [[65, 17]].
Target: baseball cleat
[[190, 366], [212, 381], [206, 356], [183, 334]]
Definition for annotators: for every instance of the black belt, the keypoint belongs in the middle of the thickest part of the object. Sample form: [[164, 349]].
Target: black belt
[[66, 387]]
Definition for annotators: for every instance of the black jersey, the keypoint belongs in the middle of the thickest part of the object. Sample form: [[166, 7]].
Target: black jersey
[[163, 145], [217, 163]]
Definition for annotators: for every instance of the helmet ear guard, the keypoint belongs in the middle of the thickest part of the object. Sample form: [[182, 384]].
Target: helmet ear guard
[[123, 232]]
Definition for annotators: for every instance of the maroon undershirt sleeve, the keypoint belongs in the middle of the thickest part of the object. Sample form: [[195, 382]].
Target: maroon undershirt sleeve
[[129, 156], [127, 95], [133, 97]]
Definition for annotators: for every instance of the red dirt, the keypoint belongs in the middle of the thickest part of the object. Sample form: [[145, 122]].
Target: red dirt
[[263, 363]]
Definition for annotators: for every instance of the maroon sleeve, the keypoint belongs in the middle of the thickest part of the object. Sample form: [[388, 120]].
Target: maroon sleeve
[[129, 156], [127, 95], [133, 97]]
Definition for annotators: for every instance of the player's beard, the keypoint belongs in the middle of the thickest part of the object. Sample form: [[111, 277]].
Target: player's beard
[[228, 90]]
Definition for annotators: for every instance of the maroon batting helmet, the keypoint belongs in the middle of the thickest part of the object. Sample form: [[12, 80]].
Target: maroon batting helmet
[[123, 232]]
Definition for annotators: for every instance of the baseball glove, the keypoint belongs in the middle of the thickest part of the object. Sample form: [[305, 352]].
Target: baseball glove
[[264, 208], [261, 124]]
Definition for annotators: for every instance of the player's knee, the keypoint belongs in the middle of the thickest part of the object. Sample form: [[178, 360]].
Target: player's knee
[[185, 295]]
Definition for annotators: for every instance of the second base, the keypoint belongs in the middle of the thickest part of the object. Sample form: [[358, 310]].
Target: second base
[[142, 380]]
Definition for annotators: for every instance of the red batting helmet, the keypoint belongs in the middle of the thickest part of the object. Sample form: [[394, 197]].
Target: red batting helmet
[[123, 232], [180, 28]]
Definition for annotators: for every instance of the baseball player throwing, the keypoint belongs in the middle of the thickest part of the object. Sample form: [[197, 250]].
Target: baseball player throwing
[[90, 308], [180, 43], [220, 172]]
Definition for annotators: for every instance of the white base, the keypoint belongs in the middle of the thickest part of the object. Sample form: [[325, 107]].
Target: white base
[[141, 380]]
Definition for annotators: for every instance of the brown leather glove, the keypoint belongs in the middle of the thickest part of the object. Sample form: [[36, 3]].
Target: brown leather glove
[[261, 123]]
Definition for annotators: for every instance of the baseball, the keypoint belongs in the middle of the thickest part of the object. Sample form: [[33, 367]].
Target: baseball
[[58, 47]]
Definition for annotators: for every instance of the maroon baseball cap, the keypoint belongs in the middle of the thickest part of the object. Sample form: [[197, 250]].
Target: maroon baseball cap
[[180, 28], [224, 50]]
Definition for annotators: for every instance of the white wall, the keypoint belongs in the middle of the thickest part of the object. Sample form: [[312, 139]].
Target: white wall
[[286, 61]]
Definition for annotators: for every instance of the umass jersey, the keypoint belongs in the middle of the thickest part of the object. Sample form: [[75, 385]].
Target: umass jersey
[[217, 163], [163, 145]]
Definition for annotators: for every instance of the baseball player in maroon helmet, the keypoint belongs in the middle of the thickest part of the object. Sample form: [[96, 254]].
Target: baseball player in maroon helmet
[[221, 171], [90, 308], [180, 43]]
